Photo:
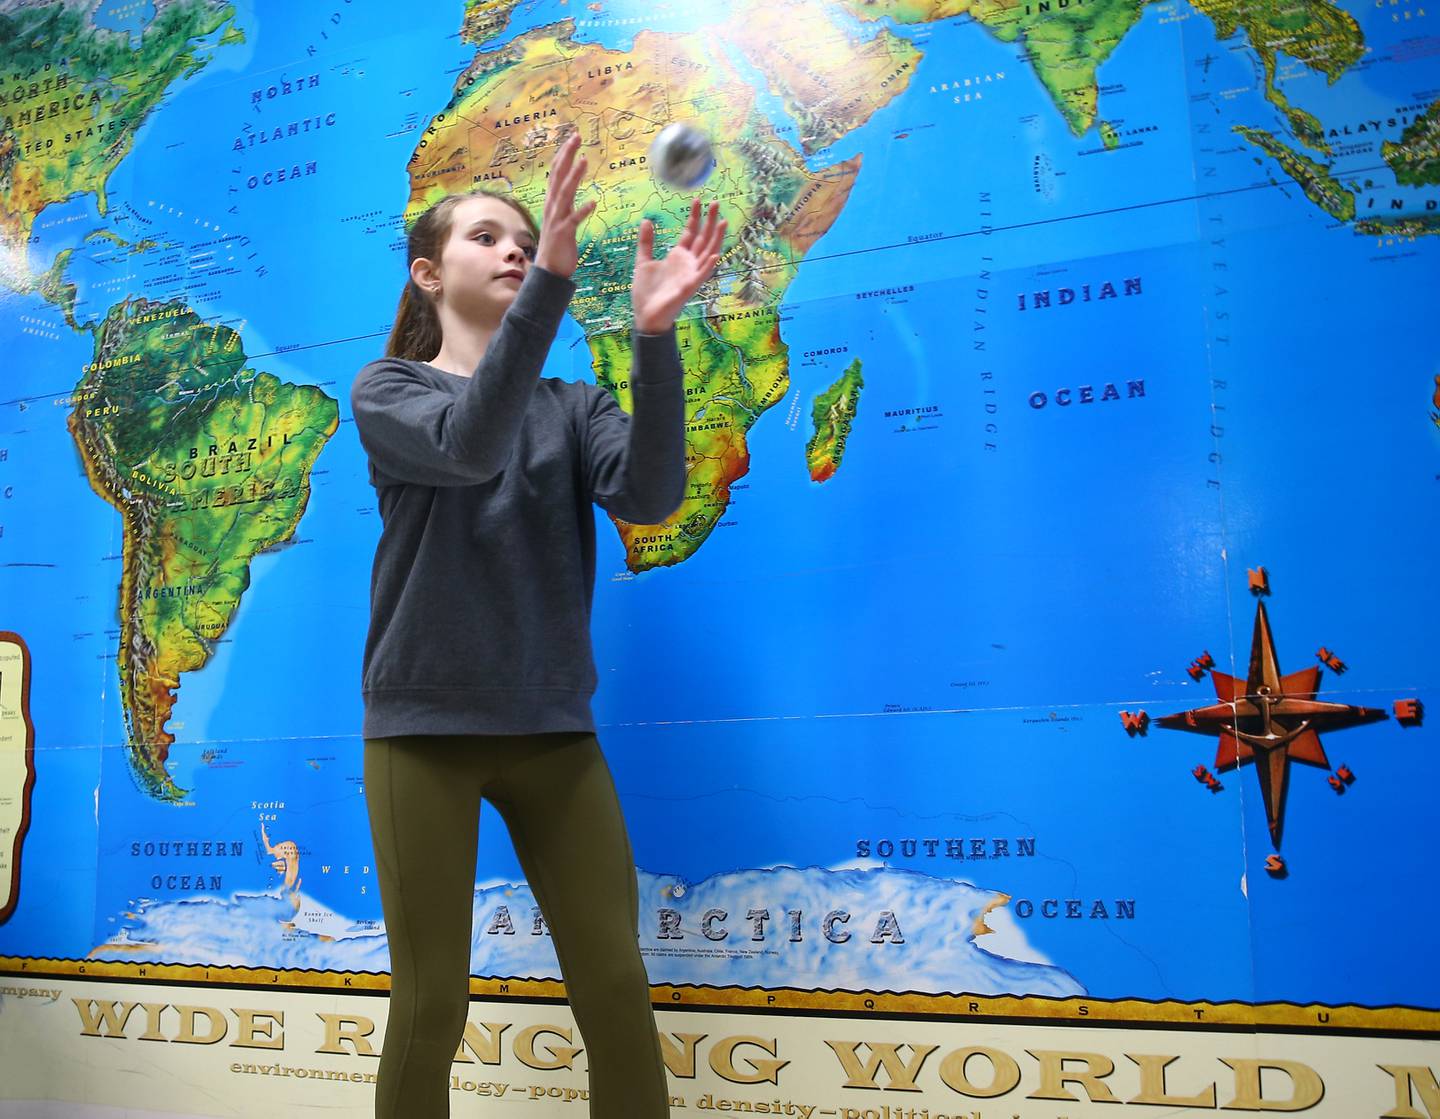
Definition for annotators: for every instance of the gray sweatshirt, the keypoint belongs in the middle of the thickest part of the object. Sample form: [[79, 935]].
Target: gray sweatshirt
[[483, 578]]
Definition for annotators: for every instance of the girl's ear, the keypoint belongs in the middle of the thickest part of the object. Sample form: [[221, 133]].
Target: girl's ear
[[425, 275]]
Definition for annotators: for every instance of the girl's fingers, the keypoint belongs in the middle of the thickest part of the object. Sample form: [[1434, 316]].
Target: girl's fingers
[[564, 176], [692, 223], [568, 185], [561, 167], [567, 150], [645, 243], [560, 202], [571, 221], [711, 233], [711, 242], [577, 173]]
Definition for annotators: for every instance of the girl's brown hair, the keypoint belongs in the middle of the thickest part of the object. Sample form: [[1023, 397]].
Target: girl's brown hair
[[416, 335]]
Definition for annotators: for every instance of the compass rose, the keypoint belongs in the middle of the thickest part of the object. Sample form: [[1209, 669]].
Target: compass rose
[[1269, 719]]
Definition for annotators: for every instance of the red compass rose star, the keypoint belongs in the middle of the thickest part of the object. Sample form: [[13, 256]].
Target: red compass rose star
[[1270, 719]]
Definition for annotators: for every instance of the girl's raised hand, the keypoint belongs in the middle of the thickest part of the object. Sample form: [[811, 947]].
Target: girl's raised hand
[[660, 288], [557, 251]]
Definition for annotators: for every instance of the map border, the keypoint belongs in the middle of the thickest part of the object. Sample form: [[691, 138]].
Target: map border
[[1320, 1018], [27, 790]]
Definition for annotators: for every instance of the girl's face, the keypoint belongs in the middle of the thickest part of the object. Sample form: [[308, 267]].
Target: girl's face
[[487, 255]]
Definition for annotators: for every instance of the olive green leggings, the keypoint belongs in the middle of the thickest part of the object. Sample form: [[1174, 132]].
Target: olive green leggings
[[558, 800]]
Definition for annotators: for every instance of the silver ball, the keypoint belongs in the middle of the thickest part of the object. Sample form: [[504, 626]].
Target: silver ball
[[680, 156]]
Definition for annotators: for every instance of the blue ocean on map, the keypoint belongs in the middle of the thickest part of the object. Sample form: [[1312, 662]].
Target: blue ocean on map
[[873, 694]]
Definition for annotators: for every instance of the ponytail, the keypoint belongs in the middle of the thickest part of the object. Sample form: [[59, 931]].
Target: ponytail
[[416, 334]]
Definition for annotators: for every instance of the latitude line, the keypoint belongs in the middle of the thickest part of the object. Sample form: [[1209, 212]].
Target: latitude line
[[853, 252], [1071, 217]]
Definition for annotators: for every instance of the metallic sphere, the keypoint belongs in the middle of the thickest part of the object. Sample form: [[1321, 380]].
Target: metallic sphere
[[680, 156]]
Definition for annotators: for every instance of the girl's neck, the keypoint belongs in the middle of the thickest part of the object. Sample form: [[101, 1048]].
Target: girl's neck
[[463, 344]]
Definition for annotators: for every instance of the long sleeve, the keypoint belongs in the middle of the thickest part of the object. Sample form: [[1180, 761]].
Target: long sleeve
[[416, 432], [635, 465]]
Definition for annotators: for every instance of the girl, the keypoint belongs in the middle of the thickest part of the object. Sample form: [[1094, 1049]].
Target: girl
[[478, 670]]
